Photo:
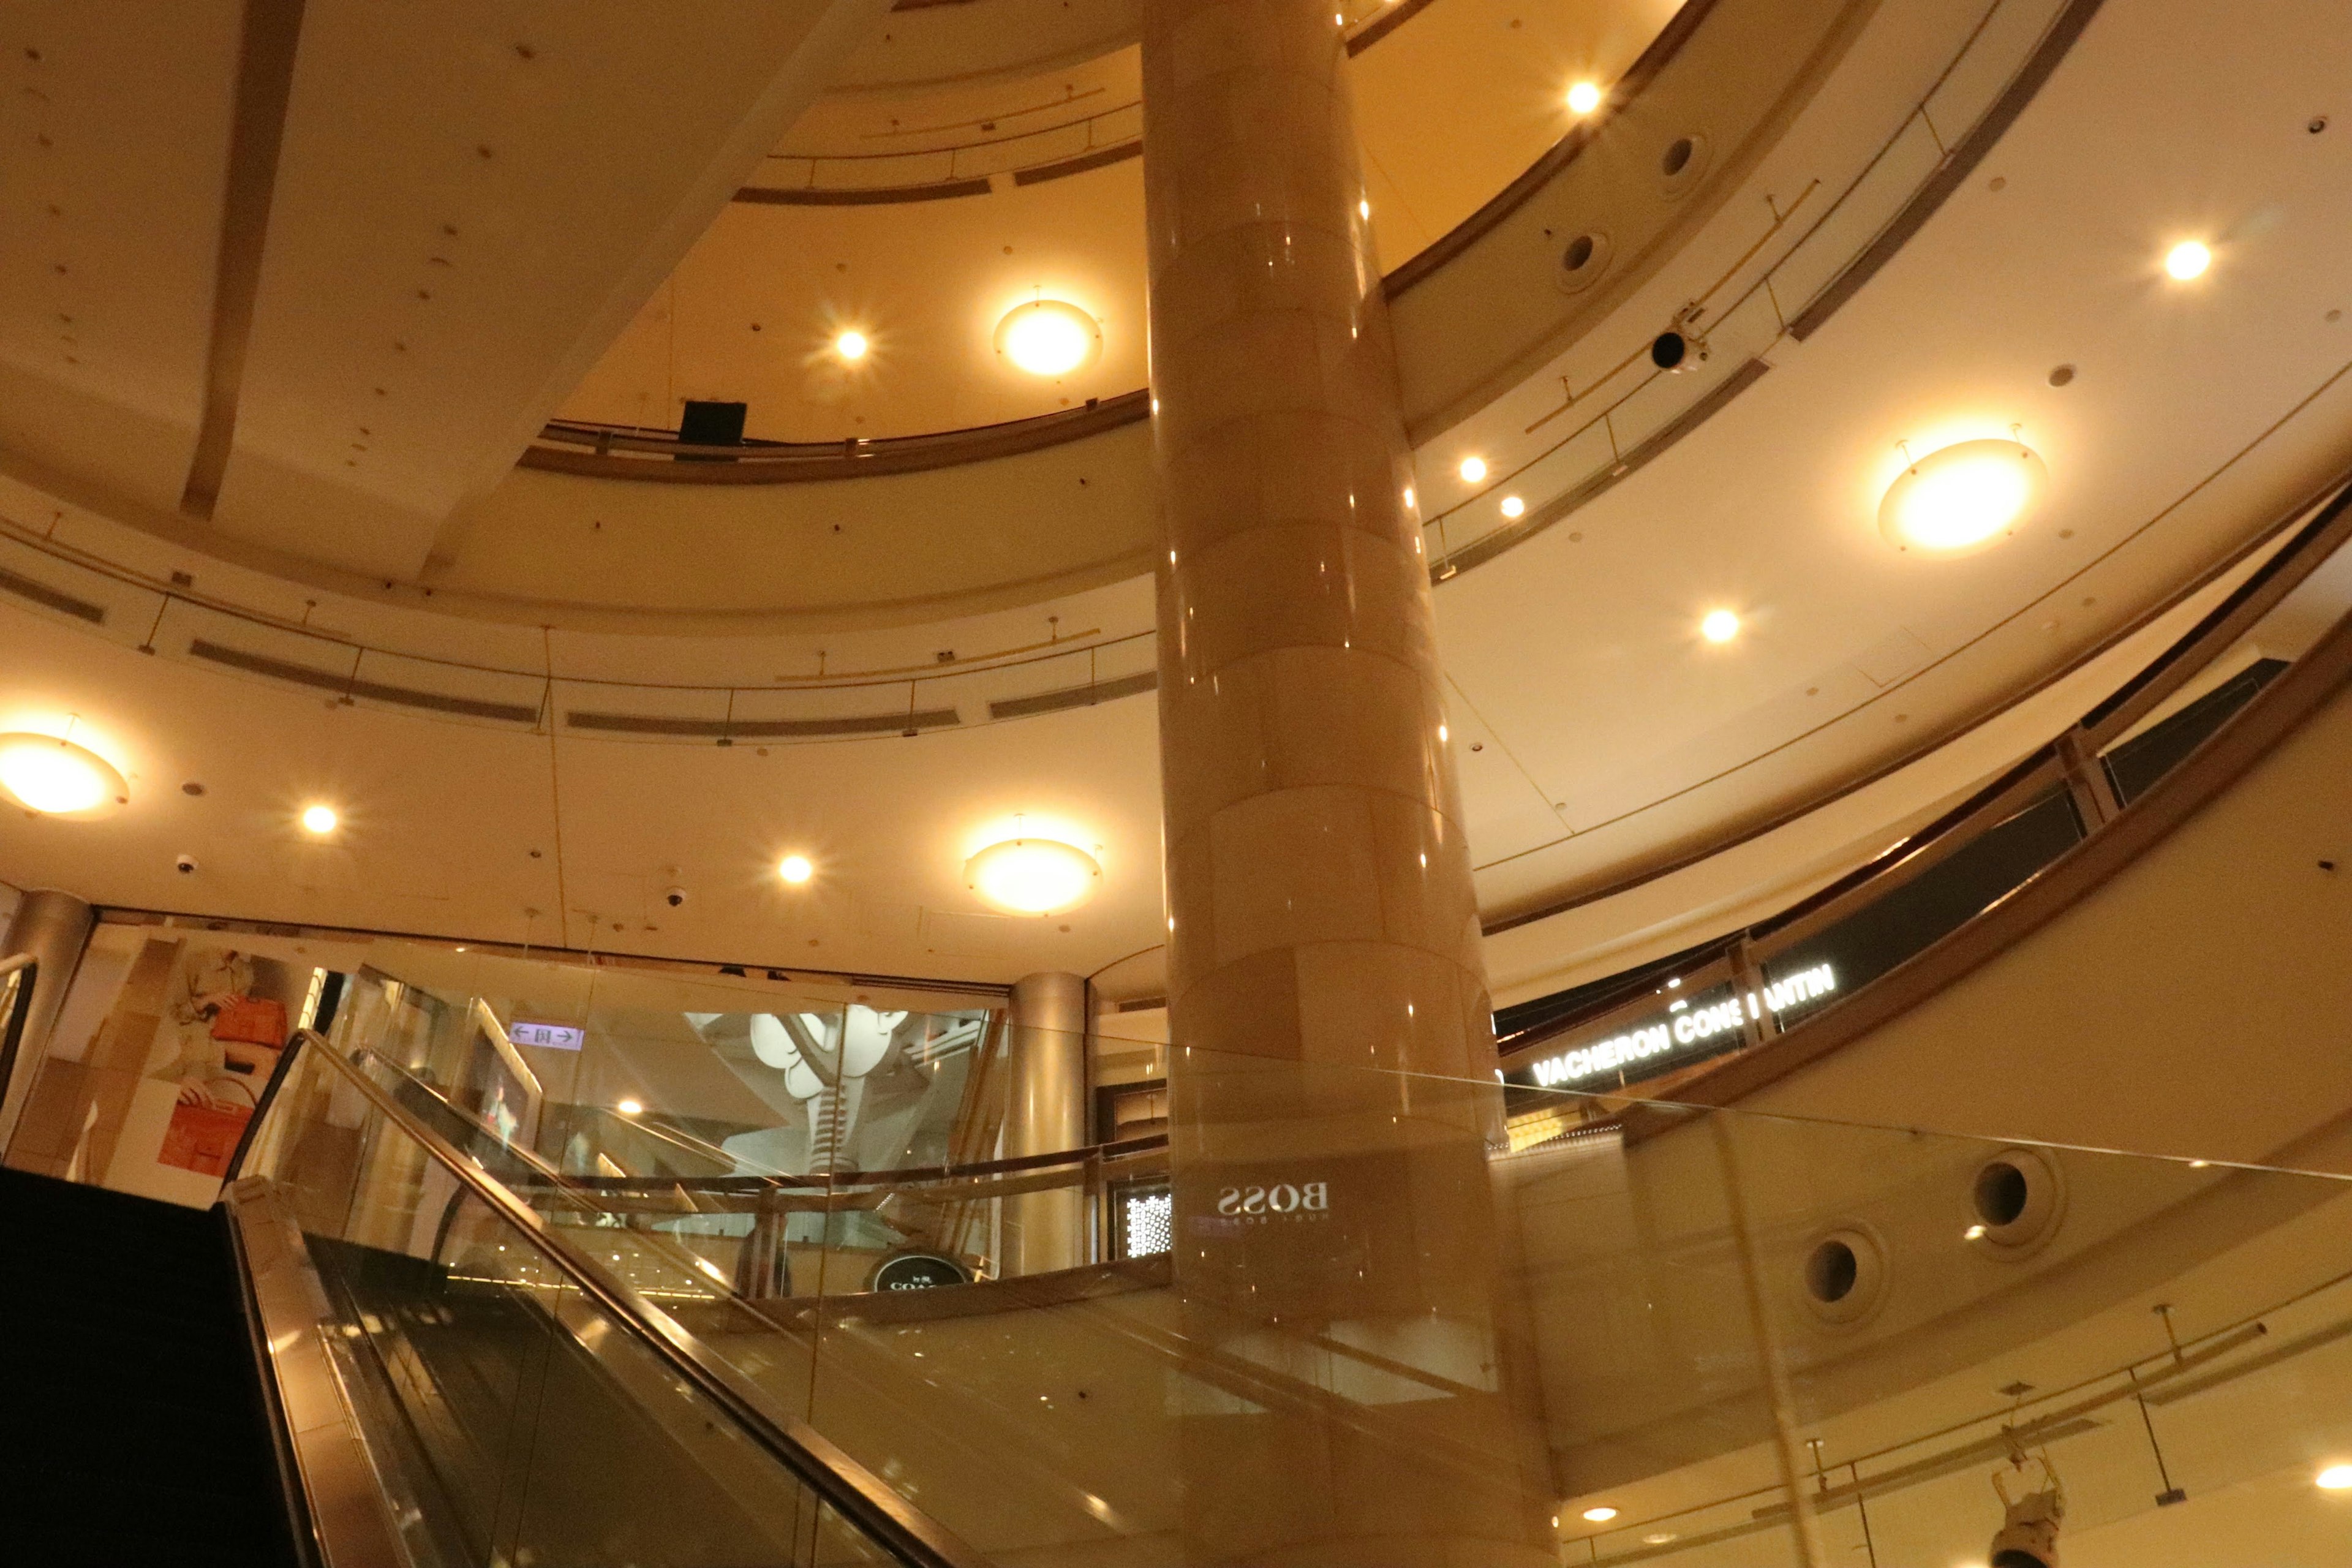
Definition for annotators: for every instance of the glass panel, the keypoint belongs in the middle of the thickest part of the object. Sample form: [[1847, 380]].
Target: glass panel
[[1905, 920], [522, 1421], [2136, 763]]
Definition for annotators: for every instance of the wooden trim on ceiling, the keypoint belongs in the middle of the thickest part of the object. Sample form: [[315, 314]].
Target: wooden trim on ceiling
[[266, 46]]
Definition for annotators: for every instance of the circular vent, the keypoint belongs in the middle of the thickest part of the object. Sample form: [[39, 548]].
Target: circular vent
[[2018, 1199], [1582, 260], [1682, 162], [1844, 1278]]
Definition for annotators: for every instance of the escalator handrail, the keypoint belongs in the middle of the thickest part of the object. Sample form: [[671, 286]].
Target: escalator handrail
[[861, 1496], [11, 1036]]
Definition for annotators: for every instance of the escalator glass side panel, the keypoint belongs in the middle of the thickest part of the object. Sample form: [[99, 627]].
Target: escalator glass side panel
[[2135, 764], [528, 1420]]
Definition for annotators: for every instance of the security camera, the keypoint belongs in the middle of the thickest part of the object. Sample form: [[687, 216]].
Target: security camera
[[674, 897], [2028, 1537], [186, 865]]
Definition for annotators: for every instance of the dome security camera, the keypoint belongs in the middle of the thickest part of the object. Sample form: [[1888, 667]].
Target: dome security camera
[[675, 897], [186, 865]]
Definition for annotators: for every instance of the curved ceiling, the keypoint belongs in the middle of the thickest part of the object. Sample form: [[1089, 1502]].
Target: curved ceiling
[[1604, 733]]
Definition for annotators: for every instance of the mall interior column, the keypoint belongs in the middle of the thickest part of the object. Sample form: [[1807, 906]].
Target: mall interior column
[[1324, 937], [53, 927], [1046, 1113]]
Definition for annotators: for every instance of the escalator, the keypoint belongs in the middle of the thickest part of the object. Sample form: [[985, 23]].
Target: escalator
[[297, 1376]]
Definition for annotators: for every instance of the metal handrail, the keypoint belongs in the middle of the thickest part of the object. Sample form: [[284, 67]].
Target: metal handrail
[[840, 1481], [2047, 767], [12, 1035]]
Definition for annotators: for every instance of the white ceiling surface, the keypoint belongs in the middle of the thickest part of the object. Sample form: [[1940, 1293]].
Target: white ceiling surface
[[108, 242], [1612, 732], [427, 292], [440, 821], [1577, 662], [1452, 106]]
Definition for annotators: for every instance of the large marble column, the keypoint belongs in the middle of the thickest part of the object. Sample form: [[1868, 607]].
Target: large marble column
[[1333, 1096]]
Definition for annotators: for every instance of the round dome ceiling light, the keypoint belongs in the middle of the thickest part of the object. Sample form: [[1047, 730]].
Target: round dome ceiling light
[[1584, 98], [56, 777], [1962, 497], [1473, 470], [851, 346], [795, 868], [1719, 626], [321, 820], [1033, 876], [1049, 337], [2336, 1478], [2189, 259]]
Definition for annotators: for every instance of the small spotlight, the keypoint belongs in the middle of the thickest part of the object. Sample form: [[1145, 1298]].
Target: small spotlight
[[629, 1108], [1473, 470], [319, 819], [2189, 259], [1364, 209], [1514, 507], [851, 346], [2336, 1478], [1720, 626], [1584, 98], [795, 868], [1974, 1233], [1600, 1515]]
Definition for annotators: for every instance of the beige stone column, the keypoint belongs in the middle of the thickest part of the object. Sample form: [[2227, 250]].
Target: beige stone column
[[1333, 1211], [1046, 1113]]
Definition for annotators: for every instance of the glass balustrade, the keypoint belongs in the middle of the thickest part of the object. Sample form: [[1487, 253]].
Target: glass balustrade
[[1702, 1335]]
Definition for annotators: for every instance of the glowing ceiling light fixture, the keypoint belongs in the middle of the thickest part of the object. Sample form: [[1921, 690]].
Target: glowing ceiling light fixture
[[1473, 470], [1600, 1515], [795, 868], [2335, 1479], [321, 820], [1974, 1233], [851, 346], [57, 777], [1719, 625], [1033, 876], [1514, 507], [1364, 208], [1962, 497], [1584, 98], [629, 1107], [1049, 337], [2189, 259]]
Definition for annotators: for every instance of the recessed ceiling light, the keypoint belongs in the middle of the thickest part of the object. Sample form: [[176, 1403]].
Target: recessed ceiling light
[[1600, 1515], [1719, 625], [1974, 1233], [628, 1108], [1033, 876], [1584, 98], [851, 346], [1049, 337], [1514, 507], [795, 868], [2336, 1478], [1364, 209], [56, 777], [1961, 497], [2189, 259], [319, 819], [1473, 470]]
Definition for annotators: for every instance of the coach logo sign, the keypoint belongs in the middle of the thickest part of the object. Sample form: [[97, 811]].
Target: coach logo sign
[[1283, 1198]]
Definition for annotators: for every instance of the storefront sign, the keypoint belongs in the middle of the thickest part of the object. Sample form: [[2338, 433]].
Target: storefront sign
[[553, 1037], [1282, 1198], [919, 1272], [1682, 1028]]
